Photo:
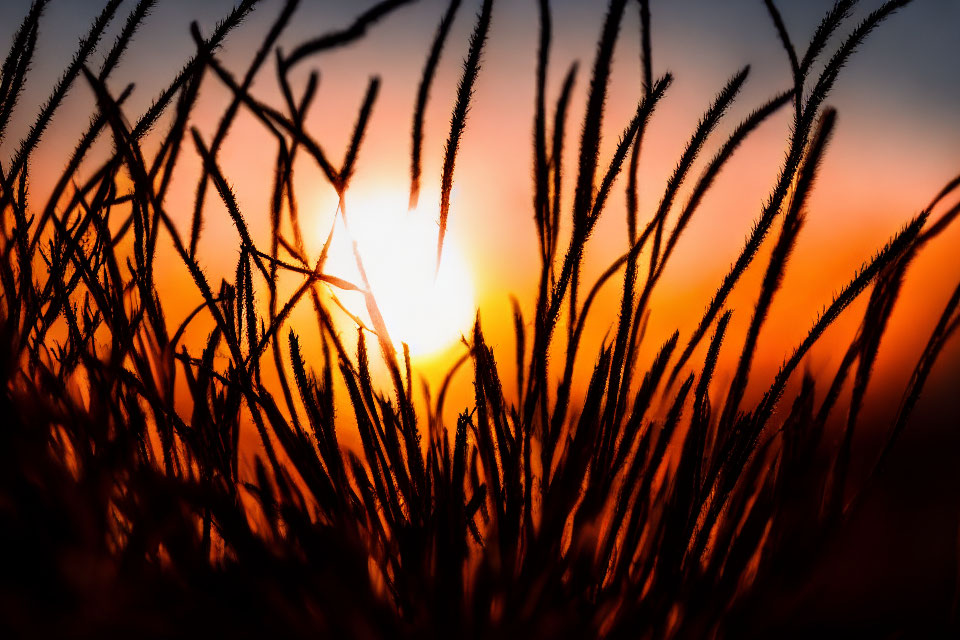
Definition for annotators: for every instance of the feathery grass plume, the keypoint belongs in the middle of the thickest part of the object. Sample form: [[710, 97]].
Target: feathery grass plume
[[13, 81], [230, 200], [588, 161], [223, 128], [832, 69], [87, 45], [828, 25], [593, 118], [541, 179], [423, 95], [607, 558], [209, 45], [788, 47], [620, 376], [388, 352], [15, 65], [890, 252], [713, 169], [340, 38], [773, 277], [19, 40], [809, 112], [556, 157], [350, 157], [623, 328], [704, 128], [646, 65], [125, 37], [630, 136], [458, 120], [407, 416], [240, 287]]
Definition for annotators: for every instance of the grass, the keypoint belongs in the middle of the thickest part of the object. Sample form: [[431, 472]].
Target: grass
[[650, 507]]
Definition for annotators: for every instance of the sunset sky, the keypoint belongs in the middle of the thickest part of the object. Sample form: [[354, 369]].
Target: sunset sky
[[897, 143]]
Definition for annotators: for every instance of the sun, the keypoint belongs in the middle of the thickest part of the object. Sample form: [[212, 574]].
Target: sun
[[426, 308]]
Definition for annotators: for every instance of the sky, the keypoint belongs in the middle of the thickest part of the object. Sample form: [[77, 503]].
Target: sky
[[897, 142]]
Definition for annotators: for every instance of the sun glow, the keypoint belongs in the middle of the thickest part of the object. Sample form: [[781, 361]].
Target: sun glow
[[425, 308]]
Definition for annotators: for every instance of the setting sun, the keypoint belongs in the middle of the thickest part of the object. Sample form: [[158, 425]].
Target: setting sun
[[425, 308]]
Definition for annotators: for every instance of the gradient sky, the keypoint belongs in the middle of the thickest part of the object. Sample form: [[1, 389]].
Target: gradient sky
[[897, 141]]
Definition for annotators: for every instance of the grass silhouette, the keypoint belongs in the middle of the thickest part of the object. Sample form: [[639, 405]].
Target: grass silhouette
[[648, 508]]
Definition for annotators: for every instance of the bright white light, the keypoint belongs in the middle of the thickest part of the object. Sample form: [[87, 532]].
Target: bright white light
[[426, 308]]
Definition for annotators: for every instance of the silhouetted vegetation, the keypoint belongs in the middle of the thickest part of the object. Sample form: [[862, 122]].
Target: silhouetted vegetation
[[647, 507]]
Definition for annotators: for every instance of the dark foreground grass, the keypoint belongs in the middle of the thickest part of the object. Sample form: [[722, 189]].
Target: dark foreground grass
[[648, 507]]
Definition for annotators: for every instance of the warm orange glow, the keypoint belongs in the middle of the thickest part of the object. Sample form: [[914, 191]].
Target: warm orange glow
[[425, 308]]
